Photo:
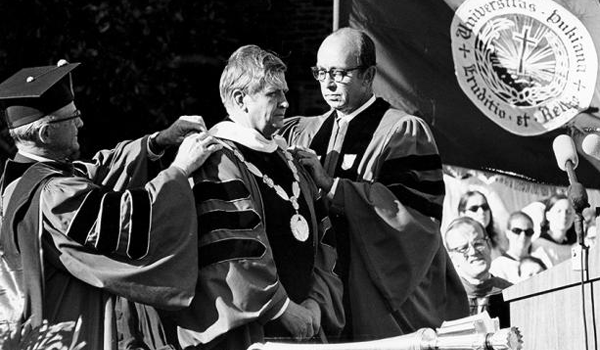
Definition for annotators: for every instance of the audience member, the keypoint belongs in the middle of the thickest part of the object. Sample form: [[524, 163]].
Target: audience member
[[529, 266], [266, 252], [474, 204], [79, 237], [519, 231], [590, 218], [557, 235], [381, 172], [470, 251]]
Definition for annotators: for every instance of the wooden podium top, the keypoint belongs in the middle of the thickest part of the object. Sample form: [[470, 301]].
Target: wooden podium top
[[557, 277]]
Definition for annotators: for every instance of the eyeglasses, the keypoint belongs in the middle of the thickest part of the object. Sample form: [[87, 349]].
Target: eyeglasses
[[337, 74], [517, 231], [77, 114], [479, 245], [475, 208]]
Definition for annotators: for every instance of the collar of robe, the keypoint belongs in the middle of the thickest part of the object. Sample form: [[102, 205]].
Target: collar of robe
[[248, 137]]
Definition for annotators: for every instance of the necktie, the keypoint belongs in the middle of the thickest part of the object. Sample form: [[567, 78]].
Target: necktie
[[335, 145]]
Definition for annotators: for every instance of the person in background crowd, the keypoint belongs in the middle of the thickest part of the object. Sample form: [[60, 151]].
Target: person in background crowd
[[529, 266], [557, 231], [519, 231], [380, 170], [79, 237], [470, 251], [266, 250], [474, 204], [590, 217]]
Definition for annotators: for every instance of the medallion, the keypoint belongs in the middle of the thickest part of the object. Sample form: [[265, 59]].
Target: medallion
[[299, 227]]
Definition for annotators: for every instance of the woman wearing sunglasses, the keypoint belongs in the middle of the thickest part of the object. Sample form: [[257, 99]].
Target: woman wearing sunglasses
[[519, 232], [474, 204], [557, 234]]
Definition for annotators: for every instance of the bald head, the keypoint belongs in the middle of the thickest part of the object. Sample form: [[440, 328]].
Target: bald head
[[353, 42]]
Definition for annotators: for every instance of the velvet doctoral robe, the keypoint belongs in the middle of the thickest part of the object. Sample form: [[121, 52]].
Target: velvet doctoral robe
[[386, 212], [79, 236], [247, 270]]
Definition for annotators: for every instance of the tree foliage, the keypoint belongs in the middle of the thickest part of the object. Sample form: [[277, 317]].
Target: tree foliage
[[144, 62]]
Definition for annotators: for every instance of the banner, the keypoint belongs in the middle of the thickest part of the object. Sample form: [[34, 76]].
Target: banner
[[416, 72], [529, 66]]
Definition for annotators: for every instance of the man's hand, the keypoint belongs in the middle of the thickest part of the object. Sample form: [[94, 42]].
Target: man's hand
[[194, 150], [308, 158], [312, 306], [174, 134], [298, 321]]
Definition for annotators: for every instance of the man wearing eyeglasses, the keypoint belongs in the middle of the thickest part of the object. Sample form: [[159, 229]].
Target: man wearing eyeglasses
[[381, 171], [470, 251], [77, 238], [519, 232]]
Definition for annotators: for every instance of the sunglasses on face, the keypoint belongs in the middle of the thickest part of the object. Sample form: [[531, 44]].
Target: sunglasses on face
[[475, 208], [517, 231]]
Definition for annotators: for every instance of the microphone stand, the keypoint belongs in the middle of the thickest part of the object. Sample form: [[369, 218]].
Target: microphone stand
[[578, 197]]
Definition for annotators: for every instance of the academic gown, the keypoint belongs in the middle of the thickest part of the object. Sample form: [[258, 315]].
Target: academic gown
[[386, 212], [250, 264], [89, 232]]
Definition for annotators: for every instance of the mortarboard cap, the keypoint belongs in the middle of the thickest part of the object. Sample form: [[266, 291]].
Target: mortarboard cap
[[32, 93]]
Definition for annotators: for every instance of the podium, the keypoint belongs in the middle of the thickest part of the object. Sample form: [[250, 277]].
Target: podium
[[547, 307]]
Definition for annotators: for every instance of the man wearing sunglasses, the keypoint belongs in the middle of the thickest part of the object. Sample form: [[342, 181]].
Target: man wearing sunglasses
[[381, 172], [470, 251], [519, 232], [78, 238]]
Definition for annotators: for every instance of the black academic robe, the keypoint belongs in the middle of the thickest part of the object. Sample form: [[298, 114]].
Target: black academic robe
[[387, 210], [82, 234]]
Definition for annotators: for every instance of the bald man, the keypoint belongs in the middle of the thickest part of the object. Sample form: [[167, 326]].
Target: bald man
[[380, 169]]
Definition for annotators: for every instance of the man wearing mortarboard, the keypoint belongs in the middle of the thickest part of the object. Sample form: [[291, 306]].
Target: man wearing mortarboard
[[79, 238]]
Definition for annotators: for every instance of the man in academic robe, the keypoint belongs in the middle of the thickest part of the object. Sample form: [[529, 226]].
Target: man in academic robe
[[266, 252], [471, 253], [381, 172], [90, 240]]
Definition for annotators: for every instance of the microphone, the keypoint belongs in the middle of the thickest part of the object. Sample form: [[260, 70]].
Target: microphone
[[566, 155], [567, 160], [591, 146]]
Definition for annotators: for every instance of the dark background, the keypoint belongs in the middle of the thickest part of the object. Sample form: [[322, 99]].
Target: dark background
[[145, 63]]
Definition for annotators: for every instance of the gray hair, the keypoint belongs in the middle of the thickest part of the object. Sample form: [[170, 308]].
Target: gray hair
[[29, 132], [250, 69]]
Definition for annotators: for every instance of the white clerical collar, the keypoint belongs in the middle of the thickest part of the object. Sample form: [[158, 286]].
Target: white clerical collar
[[246, 136], [35, 156], [348, 117]]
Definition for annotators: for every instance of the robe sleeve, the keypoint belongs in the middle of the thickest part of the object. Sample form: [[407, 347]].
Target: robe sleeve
[[139, 243], [237, 282], [394, 217], [129, 164]]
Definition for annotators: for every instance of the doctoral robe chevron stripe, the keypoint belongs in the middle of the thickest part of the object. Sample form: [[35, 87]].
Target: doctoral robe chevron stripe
[[101, 221], [230, 249], [208, 193], [141, 224], [225, 191]]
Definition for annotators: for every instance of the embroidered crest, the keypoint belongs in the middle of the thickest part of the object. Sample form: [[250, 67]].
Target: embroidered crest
[[529, 65]]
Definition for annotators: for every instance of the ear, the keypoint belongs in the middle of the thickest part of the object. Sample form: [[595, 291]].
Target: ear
[[238, 99], [44, 134], [369, 75]]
